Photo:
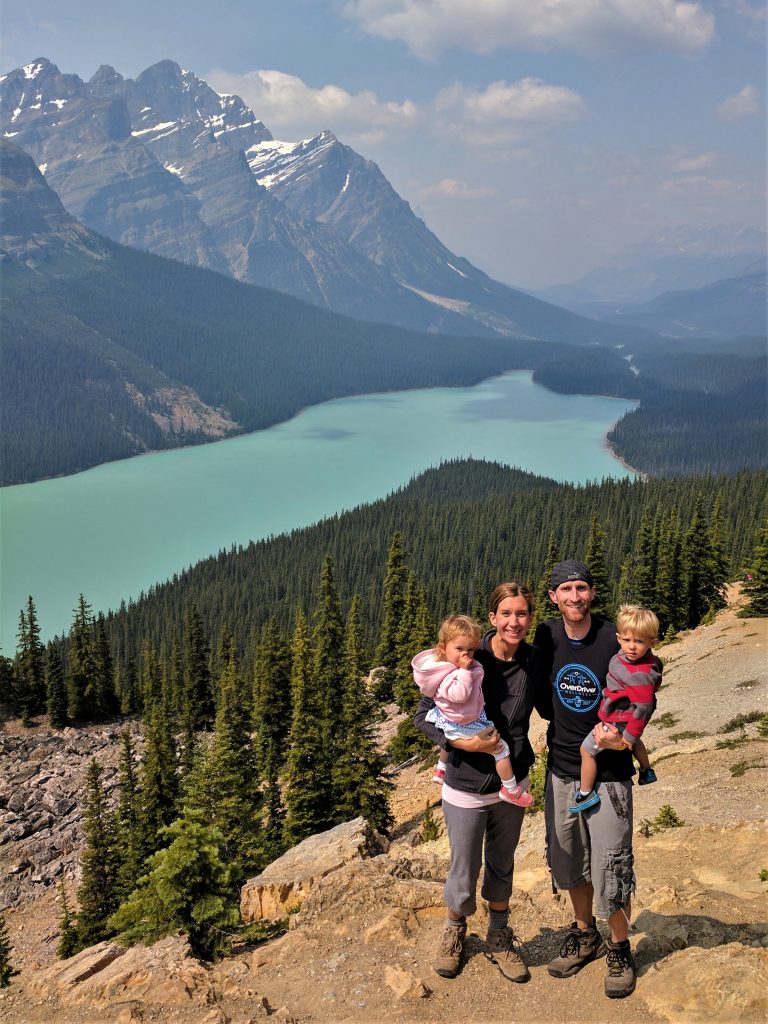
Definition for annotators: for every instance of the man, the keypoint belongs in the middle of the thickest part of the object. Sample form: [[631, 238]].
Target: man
[[589, 854]]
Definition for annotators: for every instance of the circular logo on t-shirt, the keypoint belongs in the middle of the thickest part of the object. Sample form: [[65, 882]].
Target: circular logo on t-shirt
[[577, 687]]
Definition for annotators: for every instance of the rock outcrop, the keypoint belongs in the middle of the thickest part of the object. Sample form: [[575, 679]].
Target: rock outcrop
[[165, 974], [287, 881]]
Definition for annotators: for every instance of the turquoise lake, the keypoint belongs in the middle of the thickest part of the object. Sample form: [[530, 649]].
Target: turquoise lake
[[113, 531]]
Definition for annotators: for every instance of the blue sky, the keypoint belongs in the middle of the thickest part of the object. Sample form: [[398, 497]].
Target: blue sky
[[535, 137]]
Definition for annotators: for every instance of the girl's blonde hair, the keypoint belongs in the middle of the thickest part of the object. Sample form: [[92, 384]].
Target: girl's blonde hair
[[640, 621], [510, 589], [458, 625]]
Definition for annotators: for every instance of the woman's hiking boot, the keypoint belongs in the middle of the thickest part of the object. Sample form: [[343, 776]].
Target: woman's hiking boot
[[448, 960], [620, 979], [504, 951], [579, 948]]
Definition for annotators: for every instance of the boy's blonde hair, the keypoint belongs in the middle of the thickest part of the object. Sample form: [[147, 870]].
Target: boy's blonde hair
[[640, 621], [458, 625]]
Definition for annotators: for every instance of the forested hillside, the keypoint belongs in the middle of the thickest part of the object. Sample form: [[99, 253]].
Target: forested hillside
[[459, 548]]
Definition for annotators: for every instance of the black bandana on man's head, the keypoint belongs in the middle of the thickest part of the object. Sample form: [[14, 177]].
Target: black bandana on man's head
[[570, 571]]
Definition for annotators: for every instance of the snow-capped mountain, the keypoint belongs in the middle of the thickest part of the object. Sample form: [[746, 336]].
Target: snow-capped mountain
[[166, 164]]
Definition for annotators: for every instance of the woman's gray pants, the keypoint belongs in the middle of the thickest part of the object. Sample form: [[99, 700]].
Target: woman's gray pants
[[499, 826]]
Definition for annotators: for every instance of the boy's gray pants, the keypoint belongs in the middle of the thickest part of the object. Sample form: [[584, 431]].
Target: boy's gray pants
[[496, 826]]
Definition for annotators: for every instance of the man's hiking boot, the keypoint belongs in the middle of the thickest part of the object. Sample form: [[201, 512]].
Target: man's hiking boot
[[504, 951], [579, 948], [620, 979], [448, 959]]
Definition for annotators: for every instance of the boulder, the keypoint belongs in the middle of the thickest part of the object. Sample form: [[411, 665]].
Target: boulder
[[727, 984], [285, 883], [405, 984]]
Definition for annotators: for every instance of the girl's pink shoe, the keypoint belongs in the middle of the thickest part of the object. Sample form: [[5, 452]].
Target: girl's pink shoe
[[438, 776], [518, 796]]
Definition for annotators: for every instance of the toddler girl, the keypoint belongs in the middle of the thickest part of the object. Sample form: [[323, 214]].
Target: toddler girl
[[449, 675]]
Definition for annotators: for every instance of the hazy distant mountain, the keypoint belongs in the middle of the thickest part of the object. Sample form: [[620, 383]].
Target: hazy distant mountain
[[736, 305], [160, 164], [683, 258]]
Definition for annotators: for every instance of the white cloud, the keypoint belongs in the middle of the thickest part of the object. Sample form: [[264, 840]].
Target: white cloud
[[745, 103], [449, 188], [429, 27], [287, 104], [684, 162], [699, 183], [504, 113]]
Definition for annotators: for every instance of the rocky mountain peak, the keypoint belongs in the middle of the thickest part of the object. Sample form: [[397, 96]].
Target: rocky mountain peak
[[106, 81]]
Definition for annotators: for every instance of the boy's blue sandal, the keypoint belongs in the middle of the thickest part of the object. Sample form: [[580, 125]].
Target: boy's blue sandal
[[583, 803], [646, 777]]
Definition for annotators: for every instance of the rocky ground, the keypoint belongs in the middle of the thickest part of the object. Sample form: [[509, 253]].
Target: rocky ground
[[361, 945]]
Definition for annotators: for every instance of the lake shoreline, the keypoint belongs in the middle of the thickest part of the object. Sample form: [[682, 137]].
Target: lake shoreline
[[361, 394]]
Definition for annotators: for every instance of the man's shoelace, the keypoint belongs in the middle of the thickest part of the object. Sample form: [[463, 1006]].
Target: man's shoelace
[[452, 944], [617, 960]]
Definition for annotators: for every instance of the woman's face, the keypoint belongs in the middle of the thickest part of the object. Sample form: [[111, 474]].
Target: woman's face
[[512, 620]]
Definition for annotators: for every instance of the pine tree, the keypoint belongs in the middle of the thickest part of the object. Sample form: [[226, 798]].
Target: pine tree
[[159, 784], [392, 610], [755, 587], [359, 783], [128, 834], [67, 945], [328, 641], [105, 699], [97, 894], [595, 561], [720, 560], [226, 788], [272, 693], [669, 584], [30, 664], [307, 789], [698, 564], [542, 606], [6, 967], [150, 682], [130, 700], [408, 740], [81, 663], [188, 888], [272, 844], [639, 584], [403, 682], [56, 702], [198, 691]]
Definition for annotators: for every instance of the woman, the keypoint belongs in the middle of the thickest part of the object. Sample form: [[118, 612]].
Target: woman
[[473, 810]]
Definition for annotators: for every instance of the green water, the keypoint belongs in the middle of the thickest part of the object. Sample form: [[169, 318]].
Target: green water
[[113, 531]]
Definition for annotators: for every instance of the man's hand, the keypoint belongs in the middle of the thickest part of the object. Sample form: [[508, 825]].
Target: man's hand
[[485, 742], [607, 737]]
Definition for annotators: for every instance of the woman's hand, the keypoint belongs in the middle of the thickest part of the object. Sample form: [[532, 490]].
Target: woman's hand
[[485, 742], [607, 737]]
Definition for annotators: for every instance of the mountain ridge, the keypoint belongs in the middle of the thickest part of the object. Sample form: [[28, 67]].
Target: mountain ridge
[[158, 163]]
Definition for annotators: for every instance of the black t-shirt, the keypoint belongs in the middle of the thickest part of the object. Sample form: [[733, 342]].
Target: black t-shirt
[[575, 677]]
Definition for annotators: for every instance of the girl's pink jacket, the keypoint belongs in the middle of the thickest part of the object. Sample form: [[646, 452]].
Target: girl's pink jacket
[[457, 692]]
